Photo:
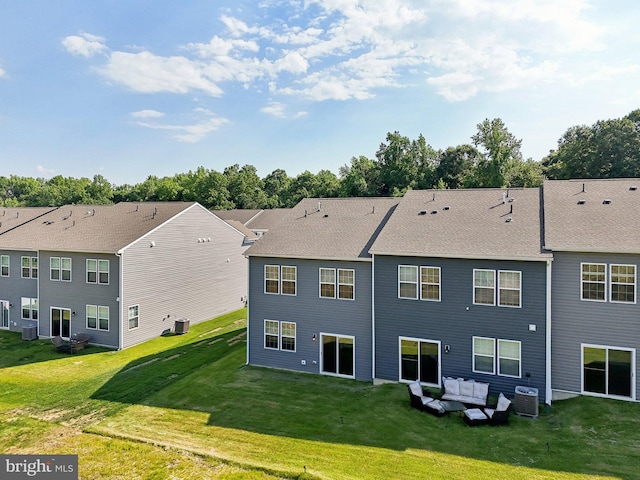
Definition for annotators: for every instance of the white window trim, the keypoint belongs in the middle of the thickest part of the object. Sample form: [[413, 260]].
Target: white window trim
[[295, 281], [582, 282], [97, 327], [97, 271], [60, 269], [353, 360], [473, 355], [608, 347], [499, 357], [8, 258], [425, 340], [30, 267], [279, 335], [271, 279], [416, 283], [430, 283], [635, 282], [495, 286], [499, 289], [321, 283], [31, 309], [129, 327], [338, 284]]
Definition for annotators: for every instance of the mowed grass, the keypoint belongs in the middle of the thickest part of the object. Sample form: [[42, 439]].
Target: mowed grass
[[187, 407]]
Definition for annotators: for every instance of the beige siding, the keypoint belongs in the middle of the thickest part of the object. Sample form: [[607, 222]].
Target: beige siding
[[191, 267]]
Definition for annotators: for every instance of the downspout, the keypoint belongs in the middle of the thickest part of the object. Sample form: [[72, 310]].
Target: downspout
[[548, 336], [373, 319], [247, 298], [120, 256]]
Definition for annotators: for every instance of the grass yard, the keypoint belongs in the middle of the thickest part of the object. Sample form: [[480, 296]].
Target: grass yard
[[187, 407]]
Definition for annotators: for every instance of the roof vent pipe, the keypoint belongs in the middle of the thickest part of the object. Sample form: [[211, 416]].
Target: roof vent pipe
[[511, 209], [504, 197], [583, 189]]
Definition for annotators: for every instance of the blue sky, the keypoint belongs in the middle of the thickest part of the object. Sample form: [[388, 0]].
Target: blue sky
[[132, 88]]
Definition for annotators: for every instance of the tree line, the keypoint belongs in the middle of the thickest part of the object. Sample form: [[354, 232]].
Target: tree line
[[606, 149]]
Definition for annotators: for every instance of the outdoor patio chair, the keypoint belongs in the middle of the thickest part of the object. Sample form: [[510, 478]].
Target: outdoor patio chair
[[500, 414], [418, 399], [60, 344], [78, 341]]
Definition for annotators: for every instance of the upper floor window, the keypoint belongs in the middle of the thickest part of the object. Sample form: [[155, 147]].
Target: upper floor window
[[60, 269], [98, 271], [594, 281], [509, 288], [430, 283], [280, 335], [4, 265], [29, 267], [280, 279], [408, 282], [621, 282], [337, 282], [484, 287], [29, 308]]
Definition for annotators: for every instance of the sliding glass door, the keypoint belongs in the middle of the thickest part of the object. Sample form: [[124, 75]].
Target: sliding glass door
[[420, 360], [608, 371]]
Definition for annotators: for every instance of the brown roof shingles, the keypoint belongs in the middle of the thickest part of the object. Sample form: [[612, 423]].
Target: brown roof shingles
[[472, 223], [578, 219], [326, 228], [91, 228]]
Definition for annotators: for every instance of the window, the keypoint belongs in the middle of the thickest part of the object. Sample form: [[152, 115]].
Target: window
[[346, 284], [98, 271], [593, 281], [271, 279], [608, 371], [327, 283], [29, 308], [408, 282], [509, 288], [279, 335], [134, 317], [623, 283], [484, 355], [280, 280], [60, 269], [344, 279], [484, 287], [4, 265], [509, 358], [98, 317], [29, 267], [430, 283], [288, 280], [337, 355], [420, 360]]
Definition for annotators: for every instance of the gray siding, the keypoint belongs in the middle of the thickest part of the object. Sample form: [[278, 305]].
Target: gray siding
[[14, 287], [195, 269], [312, 315], [575, 321], [455, 320], [77, 294]]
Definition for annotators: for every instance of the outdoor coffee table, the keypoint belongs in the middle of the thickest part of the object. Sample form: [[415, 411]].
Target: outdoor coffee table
[[452, 406]]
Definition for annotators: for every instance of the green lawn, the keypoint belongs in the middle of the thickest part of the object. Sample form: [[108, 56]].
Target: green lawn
[[187, 407]]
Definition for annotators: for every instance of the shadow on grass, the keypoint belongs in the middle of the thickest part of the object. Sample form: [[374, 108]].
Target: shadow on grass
[[16, 351]]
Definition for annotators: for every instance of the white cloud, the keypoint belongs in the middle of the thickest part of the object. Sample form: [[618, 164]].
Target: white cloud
[[84, 45], [147, 114], [42, 170], [148, 73], [205, 123], [278, 109]]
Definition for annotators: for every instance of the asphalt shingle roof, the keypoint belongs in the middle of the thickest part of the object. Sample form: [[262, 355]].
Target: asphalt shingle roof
[[11, 217], [327, 228], [471, 223], [91, 228], [578, 216]]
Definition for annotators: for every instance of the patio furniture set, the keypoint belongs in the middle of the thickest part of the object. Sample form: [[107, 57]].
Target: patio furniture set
[[466, 396], [76, 342]]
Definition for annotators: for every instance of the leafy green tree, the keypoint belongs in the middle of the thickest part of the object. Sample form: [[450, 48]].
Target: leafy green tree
[[207, 187], [361, 179], [276, 185], [607, 149], [246, 188], [99, 191], [500, 149], [456, 164]]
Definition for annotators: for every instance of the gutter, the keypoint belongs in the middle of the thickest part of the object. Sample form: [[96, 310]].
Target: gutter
[[548, 392], [373, 319]]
